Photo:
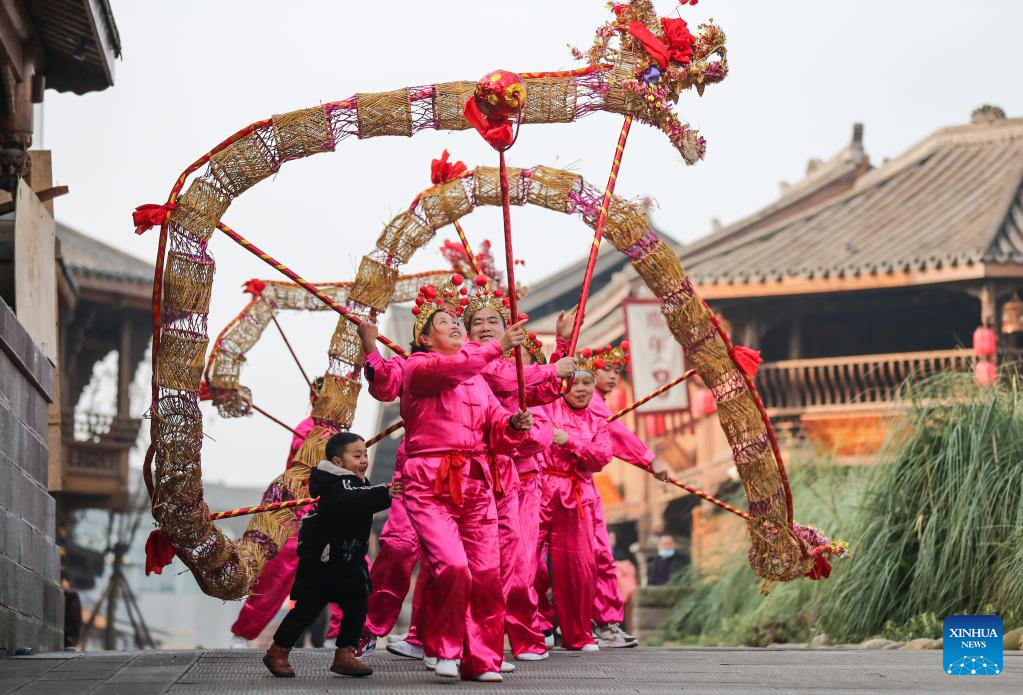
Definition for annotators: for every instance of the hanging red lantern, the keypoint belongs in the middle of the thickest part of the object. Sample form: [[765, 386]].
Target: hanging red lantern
[[986, 373], [704, 401], [984, 342]]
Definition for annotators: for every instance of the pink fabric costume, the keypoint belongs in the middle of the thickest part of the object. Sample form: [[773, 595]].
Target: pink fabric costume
[[566, 516], [608, 606], [452, 421], [518, 537], [274, 583]]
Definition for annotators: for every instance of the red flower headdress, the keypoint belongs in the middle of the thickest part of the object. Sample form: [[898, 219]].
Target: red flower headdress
[[607, 357], [432, 299]]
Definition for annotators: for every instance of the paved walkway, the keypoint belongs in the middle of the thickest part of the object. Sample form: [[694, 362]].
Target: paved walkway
[[643, 670]]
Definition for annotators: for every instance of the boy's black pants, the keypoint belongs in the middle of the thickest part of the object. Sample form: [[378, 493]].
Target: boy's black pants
[[351, 595]]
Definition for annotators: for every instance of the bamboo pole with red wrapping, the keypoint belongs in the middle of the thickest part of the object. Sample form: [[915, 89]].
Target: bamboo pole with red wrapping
[[598, 232], [652, 395], [304, 284], [271, 417], [509, 259], [292, 351], [468, 249]]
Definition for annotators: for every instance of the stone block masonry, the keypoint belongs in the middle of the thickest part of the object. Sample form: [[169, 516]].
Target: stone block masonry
[[31, 602]]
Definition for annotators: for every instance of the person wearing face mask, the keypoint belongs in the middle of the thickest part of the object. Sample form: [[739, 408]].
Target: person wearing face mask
[[665, 564], [453, 423], [581, 448], [485, 314]]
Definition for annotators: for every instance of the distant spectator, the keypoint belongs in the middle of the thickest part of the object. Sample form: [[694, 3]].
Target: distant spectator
[[72, 614], [666, 563]]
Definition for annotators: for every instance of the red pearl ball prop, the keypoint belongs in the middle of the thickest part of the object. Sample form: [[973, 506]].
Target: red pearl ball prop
[[500, 95]]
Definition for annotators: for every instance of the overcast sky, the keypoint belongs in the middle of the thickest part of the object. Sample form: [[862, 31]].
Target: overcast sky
[[194, 71]]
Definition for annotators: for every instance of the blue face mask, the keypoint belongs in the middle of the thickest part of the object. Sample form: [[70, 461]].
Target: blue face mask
[[665, 553]]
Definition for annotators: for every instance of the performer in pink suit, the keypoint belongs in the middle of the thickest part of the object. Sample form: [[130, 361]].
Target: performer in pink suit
[[485, 316], [274, 584], [453, 423], [581, 448]]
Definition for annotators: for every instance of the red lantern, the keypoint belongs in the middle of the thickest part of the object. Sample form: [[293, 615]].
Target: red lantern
[[984, 342], [986, 373], [704, 401], [500, 95]]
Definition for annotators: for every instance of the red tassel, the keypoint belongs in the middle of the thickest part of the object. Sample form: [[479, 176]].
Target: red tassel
[[442, 171], [254, 287], [204, 391], [747, 360], [148, 216], [159, 552], [821, 567]]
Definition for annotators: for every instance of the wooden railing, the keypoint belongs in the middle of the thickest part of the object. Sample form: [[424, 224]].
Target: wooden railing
[[860, 381]]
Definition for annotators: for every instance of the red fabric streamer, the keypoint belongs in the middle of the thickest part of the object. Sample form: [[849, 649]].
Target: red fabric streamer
[[496, 132], [748, 360], [148, 216], [677, 45], [821, 567], [254, 287], [204, 391], [159, 552], [442, 171]]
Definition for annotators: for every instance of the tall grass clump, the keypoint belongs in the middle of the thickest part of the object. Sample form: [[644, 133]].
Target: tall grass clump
[[939, 528], [729, 609]]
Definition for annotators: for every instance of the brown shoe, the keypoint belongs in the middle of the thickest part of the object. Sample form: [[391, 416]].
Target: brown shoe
[[276, 659], [346, 664]]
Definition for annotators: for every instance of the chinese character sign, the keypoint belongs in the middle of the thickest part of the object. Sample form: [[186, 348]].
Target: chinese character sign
[[656, 357]]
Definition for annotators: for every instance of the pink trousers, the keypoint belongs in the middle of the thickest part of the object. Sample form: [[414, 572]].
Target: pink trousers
[[608, 606], [530, 492], [569, 538], [270, 592], [463, 614], [516, 579], [391, 574]]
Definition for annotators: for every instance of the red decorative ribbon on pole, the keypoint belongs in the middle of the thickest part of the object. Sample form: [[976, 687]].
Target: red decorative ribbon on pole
[[598, 231], [510, 265], [304, 284], [149, 215], [443, 171]]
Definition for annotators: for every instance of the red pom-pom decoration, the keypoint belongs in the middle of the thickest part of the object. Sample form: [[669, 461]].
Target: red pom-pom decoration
[[506, 302], [608, 348], [464, 291], [599, 363], [498, 293], [463, 301], [431, 291], [420, 300], [481, 280], [415, 311], [523, 316], [532, 336], [624, 346], [587, 353], [457, 279]]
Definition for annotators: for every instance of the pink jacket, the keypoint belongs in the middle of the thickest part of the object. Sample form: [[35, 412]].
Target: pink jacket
[[385, 386], [569, 467], [451, 415], [624, 442], [542, 387]]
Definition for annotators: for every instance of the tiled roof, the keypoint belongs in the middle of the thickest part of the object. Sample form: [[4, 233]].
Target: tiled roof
[[953, 199], [89, 257]]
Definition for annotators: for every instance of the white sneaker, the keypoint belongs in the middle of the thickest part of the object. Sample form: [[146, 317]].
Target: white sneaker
[[448, 668], [591, 647], [397, 638], [239, 642], [430, 662], [529, 656], [489, 677], [612, 636], [548, 640], [507, 667], [406, 649]]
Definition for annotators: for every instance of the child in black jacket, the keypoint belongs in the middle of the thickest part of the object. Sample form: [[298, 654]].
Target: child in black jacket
[[332, 545]]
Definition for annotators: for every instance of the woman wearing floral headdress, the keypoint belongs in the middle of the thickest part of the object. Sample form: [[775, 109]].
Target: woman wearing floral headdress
[[485, 313], [452, 423]]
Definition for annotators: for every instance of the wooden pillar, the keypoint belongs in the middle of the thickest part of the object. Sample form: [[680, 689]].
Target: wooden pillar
[[989, 306], [124, 374], [795, 350]]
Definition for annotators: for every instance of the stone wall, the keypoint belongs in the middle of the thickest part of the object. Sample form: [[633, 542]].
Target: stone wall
[[31, 602]]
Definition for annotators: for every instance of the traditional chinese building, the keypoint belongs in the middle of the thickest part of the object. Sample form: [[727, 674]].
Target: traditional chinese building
[[67, 46], [855, 278]]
